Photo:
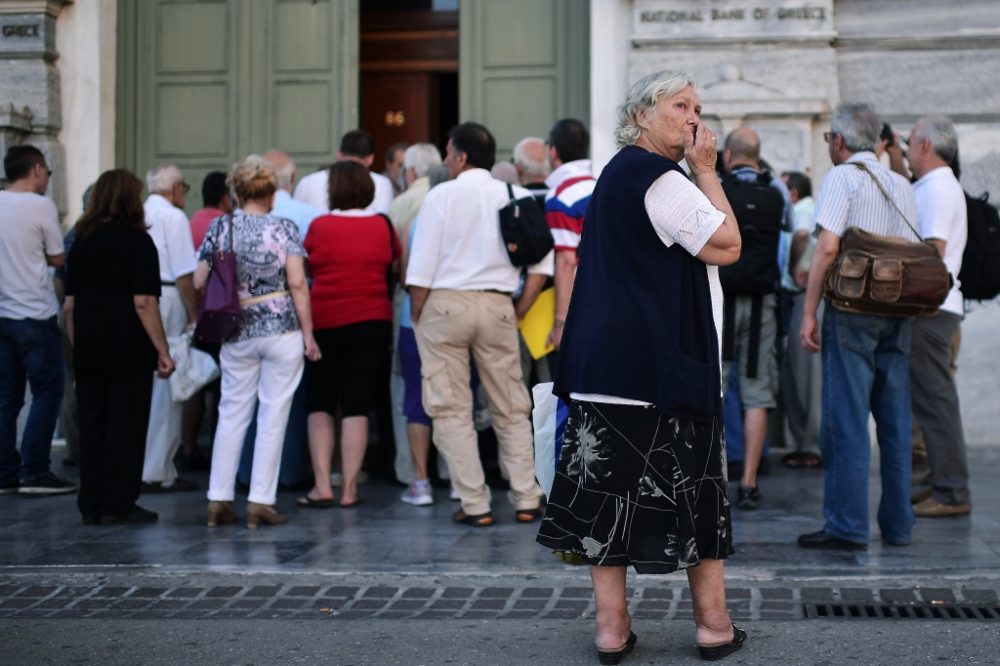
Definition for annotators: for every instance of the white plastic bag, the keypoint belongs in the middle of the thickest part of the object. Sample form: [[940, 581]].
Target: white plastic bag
[[549, 420], [195, 368]]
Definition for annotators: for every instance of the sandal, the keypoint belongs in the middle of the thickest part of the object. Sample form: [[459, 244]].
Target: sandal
[[716, 652], [310, 503], [476, 520], [616, 656], [528, 515]]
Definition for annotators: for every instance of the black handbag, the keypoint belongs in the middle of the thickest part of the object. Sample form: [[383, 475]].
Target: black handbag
[[525, 233]]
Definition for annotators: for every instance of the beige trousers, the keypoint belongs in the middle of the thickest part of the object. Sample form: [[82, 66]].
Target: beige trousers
[[453, 326]]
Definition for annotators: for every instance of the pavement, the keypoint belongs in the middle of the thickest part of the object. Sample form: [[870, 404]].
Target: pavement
[[388, 583]]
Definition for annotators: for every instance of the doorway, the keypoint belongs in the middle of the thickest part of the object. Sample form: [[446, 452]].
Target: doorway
[[409, 72]]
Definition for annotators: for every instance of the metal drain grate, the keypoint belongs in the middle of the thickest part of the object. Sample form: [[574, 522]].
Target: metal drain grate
[[909, 611]]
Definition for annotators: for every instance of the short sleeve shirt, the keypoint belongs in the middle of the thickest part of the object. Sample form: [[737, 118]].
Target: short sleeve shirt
[[262, 244], [171, 233], [106, 270], [29, 232]]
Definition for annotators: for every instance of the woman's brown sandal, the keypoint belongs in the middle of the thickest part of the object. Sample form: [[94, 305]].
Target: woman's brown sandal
[[616, 656], [476, 520], [716, 652]]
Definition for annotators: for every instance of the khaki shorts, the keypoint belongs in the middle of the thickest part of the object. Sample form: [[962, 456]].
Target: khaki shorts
[[759, 391]]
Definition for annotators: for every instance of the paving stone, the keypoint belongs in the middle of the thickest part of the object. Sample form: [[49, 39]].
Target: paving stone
[[52, 603], [657, 593], [937, 594], [776, 593], [518, 615], [407, 605], [442, 604], [418, 593], [112, 591], [578, 593], [148, 592], [245, 604], [857, 595], [488, 604], [537, 592], [649, 614], [579, 604], [393, 615], [457, 592], [979, 596], [132, 604], [893, 595], [263, 591], [17, 602], [74, 591], [171, 604], [653, 605], [306, 591], [437, 615], [381, 592], [184, 592], [560, 615], [776, 605], [478, 614], [206, 604], [335, 591], [496, 592], [224, 591], [36, 591], [816, 595], [525, 604], [8, 590], [738, 593], [366, 604]]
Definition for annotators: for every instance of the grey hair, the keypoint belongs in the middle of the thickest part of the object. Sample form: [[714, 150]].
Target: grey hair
[[858, 124], [531, 167], [285, 174], [940, 131], [438, 174], [421, 157], [642, 97], [162, 177]]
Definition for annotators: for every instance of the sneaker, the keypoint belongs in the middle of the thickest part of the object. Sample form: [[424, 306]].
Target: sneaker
[[931, 508], [9, 488], [453, 495], [418, 494], [46, 484], [747, 498]]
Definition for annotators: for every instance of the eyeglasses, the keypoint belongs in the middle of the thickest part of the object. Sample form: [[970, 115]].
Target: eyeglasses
[[828, 136], [186, 186]]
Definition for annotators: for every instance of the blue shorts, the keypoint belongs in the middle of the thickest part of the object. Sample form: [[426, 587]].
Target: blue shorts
[[409, 361]]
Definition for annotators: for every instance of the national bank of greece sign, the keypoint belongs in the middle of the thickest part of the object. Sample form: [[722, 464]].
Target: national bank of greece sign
[[737, 20]]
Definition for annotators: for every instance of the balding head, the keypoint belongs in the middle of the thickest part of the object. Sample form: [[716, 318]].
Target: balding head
[[531, 159], [284, 167], [742, 147]]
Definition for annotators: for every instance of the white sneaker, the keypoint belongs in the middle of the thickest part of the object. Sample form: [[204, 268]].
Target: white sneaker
[[418, 494], [454, 496]]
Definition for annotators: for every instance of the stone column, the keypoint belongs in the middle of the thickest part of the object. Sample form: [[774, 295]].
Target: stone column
[[30, 106]]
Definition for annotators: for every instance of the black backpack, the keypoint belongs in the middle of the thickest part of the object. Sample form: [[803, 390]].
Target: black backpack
[[980, 274], [759, 210], [526, 235]]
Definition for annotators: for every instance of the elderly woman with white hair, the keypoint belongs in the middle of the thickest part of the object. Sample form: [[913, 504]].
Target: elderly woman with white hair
[[641, 478]]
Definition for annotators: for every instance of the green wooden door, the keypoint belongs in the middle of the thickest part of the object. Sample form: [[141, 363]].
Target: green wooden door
[[204, 83], [524, 64]]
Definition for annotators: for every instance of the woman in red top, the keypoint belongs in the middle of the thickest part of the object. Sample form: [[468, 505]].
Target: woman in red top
[[353, 258]]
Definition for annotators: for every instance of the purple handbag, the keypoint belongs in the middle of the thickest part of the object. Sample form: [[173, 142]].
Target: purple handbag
[[219, 315]]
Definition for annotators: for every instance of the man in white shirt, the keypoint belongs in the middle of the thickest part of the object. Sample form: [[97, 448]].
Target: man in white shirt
[[461, 281], [941, 218], [30, 342], [168, 227], [359, 146]]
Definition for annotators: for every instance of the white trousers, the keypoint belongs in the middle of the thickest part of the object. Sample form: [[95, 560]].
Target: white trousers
[[265, 369], [163, 437]]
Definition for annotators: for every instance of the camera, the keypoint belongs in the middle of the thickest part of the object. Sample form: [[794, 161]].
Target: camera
[[887, 135]]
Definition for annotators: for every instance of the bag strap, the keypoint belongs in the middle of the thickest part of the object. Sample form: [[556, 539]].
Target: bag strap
[[388, 224], [513, 200], [878, 184]]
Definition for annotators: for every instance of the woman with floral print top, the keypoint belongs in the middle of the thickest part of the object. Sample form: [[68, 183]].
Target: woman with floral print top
[[264, 359]]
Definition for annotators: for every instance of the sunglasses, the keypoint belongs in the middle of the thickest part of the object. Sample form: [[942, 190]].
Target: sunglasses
[[828, 136]]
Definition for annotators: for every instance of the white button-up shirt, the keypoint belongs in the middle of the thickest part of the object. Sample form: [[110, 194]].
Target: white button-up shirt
[[458, 245], [314, 190], [849, 198], [171, 234], [941, 214]]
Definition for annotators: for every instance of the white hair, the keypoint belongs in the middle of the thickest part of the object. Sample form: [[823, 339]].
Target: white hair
[[162, 177], [940, 131], [532, 168], [421, 157], [858, 124], [285, 173], [641, 97]]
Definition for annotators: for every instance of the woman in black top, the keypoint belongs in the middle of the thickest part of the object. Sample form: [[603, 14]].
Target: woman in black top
[[114, 324]]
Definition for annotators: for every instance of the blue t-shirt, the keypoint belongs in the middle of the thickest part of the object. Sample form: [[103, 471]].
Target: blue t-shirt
[[405, 313]]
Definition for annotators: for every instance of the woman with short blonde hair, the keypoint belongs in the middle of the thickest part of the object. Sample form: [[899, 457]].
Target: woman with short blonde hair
[[262, 363]]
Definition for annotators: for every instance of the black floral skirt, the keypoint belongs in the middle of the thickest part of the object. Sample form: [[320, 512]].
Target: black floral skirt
[[636, 487]]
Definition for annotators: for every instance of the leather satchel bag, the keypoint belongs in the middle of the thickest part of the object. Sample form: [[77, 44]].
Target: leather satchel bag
[[886, 275], [219, 315]]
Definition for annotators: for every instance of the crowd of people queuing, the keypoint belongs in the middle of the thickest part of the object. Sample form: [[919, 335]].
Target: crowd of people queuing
[[351, 281]]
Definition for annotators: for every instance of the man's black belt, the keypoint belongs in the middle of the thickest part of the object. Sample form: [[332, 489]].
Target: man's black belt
[[164, 283]]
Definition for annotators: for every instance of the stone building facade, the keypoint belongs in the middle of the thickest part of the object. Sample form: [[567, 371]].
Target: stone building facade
[[72, 73]]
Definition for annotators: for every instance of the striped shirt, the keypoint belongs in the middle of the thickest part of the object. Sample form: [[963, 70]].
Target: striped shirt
[[849, 198], [570, 187]]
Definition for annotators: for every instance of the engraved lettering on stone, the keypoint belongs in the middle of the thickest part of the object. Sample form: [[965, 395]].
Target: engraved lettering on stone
[[21, 30]]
